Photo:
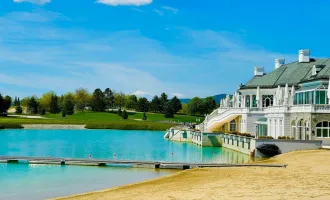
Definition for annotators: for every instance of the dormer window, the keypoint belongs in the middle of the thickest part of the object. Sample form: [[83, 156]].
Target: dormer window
[[316, 69]]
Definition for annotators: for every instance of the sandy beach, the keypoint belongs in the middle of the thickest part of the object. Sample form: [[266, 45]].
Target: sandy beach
[[306, 177]]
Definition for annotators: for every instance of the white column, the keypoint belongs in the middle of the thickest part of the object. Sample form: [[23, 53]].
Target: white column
[[251, 101]]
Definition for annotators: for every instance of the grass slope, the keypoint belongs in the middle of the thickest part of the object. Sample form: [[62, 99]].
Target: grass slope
[[102, 120]]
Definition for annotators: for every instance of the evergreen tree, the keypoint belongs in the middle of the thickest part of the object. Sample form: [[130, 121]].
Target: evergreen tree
[[144, 116], [176, 104], [169, 111], [155, 104], [32, 105], [98, 103], [15, 101], [124, 115], [163, 102], [69, 104], [2, 106], [109, 98], [53, 104], [18, 102], [143, 105], [7, 103]]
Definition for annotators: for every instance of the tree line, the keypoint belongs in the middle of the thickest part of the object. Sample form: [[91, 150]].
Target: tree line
[[108, 100]]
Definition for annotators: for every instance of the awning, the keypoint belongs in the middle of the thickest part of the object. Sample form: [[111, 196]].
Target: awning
[[310, 87], [261, 121]]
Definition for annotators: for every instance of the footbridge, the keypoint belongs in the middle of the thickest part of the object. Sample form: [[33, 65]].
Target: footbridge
[[121, 163]]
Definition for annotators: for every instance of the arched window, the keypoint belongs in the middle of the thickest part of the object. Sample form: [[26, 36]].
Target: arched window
[[267, 100], [233, 125], [322, 129]]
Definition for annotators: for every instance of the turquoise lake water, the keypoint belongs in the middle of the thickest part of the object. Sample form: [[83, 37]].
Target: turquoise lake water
[[22, 181]]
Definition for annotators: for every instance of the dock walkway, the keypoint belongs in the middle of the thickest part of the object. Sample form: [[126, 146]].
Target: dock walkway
[[131, 163]]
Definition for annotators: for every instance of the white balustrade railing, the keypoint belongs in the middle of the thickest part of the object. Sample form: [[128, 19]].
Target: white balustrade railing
[[222, 113]]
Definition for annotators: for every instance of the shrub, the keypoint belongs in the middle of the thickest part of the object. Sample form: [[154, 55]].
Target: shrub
[[11, 126], [266, 137], [42, 111], [131, 126], [18, 110], [124, 115], [63, 113]]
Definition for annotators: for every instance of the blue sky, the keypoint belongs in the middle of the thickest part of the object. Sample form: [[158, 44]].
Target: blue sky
[[184, 48]]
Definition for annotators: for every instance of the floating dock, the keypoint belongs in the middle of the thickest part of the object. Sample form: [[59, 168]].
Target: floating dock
[[123, 163]]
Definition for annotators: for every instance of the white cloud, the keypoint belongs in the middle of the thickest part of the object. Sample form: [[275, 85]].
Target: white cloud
[[179, 95], [173, 10], [40, 2], [140, 93], [125, 2], [160, 13]]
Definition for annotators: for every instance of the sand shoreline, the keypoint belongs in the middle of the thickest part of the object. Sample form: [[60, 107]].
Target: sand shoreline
[[307, 176], [53, 126]]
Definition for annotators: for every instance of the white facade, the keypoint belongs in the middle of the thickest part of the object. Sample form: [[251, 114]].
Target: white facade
[[297, 110]]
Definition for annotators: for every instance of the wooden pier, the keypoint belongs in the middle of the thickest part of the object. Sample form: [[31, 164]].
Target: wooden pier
[[122, 163]]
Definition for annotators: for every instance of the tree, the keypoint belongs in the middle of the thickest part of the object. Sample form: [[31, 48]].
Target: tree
[[209, 105], [97, 101], [18, 102], [18, 110], [176, 104], [46, 100], [42, 111], [196, 106], [144, 116], [143, 105], [124, 115], [109, 98], [184, 109], [163, 102], [69, 104], [119, 113], [53, 104], [5, 104], [32, 105], [131, 102], [155, 104], [169, 111], [15, 101], [82, 98], [120, 99]]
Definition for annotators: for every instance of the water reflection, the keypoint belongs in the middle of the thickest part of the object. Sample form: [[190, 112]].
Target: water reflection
[[111, 144]]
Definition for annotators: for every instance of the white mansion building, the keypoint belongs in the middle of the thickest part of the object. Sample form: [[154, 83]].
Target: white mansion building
[[292, 100]]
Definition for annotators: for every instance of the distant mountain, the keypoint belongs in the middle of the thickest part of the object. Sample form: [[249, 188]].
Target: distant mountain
[[217, 98]]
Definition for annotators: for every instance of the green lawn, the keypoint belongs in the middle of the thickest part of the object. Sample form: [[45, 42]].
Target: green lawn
[[100, 120]]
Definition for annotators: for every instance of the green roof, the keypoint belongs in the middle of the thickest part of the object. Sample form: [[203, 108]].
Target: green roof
[[292, 74]]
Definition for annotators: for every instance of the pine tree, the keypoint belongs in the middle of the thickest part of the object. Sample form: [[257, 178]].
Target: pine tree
[[144, 116]]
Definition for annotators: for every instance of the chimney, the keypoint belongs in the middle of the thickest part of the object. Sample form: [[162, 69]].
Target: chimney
[[258, 71], [304, 56], [279, 62]]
